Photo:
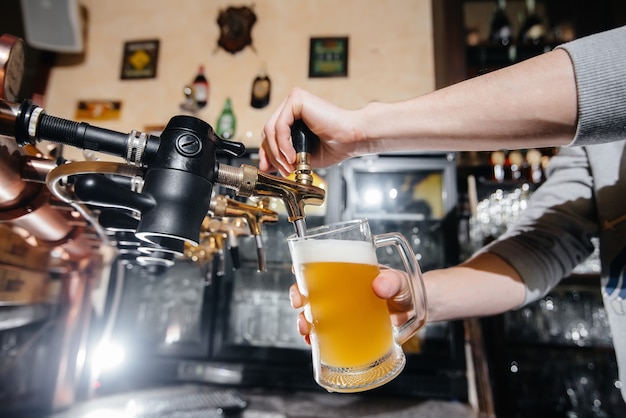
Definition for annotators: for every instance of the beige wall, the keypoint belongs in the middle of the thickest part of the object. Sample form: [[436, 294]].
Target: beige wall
[[390, 58]]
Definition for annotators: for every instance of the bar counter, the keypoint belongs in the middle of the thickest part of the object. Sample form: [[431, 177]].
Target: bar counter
[[268, 403]]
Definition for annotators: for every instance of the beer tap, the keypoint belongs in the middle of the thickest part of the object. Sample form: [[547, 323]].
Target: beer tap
[[255, 216], [305, 143], [248, 180], [171, 176], [212, 243], [232, 228]]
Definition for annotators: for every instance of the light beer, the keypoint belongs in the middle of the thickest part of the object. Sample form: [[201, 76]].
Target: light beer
[[350, 323]]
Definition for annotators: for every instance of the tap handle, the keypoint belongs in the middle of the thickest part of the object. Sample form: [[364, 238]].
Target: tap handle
[[236, 149], [233, 248], [303, 139], [234, 255]]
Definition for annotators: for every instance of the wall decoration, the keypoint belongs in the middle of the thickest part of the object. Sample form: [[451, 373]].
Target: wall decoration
[[328, 57], [235, 28], [140, 59], [98, 109]]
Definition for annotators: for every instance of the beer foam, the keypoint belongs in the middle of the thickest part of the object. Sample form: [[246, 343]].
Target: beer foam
[[332, 250]]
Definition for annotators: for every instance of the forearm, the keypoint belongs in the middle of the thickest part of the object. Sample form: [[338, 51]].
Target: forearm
[[531, 104], [484, 285]]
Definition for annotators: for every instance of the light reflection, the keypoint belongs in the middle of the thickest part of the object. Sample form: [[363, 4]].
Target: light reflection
[[172, 334], [108, 413], [108, 356], [373, 197]]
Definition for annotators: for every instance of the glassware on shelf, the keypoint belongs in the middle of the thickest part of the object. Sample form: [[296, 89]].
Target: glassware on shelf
[[492, 217], [567, 316]]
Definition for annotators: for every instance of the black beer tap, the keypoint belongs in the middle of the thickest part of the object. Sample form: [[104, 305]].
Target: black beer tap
[[171, 176], [178, 169]]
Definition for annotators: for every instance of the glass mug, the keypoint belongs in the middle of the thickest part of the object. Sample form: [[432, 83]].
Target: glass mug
[[355, 347]]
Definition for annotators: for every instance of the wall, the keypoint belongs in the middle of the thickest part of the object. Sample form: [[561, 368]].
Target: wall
[[390, 57]]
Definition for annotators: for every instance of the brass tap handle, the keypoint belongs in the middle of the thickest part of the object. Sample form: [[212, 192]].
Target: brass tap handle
[[250, 181], [305, 143]]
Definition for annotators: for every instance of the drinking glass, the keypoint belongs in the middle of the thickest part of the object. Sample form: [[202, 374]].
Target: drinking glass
[[355, 346]]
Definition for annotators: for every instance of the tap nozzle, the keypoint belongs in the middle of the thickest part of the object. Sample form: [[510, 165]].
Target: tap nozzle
[[250, 181], [255, 216], [295, 194]]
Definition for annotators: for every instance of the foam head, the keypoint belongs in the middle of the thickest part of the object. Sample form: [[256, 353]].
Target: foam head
[[332, 250]]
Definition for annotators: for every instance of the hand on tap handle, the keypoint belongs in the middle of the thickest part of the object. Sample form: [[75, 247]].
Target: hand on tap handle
[[296, 194], [177, 172]]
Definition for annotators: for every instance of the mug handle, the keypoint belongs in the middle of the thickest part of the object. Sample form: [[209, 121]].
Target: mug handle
[[414, 281]]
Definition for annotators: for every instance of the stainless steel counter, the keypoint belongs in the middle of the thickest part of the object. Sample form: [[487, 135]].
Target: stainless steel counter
[[264, 403]]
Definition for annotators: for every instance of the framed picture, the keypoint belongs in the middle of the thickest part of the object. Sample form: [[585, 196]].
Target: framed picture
[[98, 109], [328, 57], [140, 59]]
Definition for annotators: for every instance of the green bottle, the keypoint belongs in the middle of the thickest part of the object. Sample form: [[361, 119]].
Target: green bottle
[[227, 122]]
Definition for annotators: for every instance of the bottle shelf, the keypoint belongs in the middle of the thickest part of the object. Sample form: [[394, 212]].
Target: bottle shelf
[[485, 58]]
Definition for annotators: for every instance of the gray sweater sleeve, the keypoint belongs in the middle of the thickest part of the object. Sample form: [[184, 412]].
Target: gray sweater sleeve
[[553, 235], [600, 66]]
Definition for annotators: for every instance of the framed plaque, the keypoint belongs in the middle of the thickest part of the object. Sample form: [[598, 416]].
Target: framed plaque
[[140, 59], [328, 57]]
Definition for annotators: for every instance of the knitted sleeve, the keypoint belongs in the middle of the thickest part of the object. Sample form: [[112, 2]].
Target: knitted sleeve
[[600, 66]]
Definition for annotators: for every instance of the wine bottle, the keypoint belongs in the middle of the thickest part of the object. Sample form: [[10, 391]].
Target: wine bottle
[[532, 31], [226, 123], [498, 160], [534, 157], [261, 88], [515, 163], [200, 88], [500, 32]]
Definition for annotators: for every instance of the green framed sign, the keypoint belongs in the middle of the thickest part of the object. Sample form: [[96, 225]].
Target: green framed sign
[[328, 57]]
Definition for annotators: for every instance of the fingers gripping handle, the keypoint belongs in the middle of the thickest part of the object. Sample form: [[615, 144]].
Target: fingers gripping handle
[[303, 139], [414, 284]]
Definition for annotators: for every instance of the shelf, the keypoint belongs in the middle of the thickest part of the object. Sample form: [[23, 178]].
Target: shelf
[[485, 58]]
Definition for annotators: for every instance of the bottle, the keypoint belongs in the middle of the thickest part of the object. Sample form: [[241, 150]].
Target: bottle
[[227, 122], [498, 160], [516, 165], [533, 157], [532, 31], [200, 88], [500, 32], [261, 87]]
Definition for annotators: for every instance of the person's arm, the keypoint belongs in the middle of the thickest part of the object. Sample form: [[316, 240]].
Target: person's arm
[[483, 285], [529, 104], [575, 94]]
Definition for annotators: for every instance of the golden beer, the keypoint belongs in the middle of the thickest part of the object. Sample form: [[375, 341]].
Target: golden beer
[[350, 324], [354, 345]]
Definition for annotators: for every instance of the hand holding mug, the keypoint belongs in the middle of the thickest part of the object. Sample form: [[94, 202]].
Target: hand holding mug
[[388, 285], [355, 345]]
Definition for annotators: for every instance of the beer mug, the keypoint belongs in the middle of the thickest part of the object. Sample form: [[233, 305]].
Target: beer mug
[[355, 347]]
